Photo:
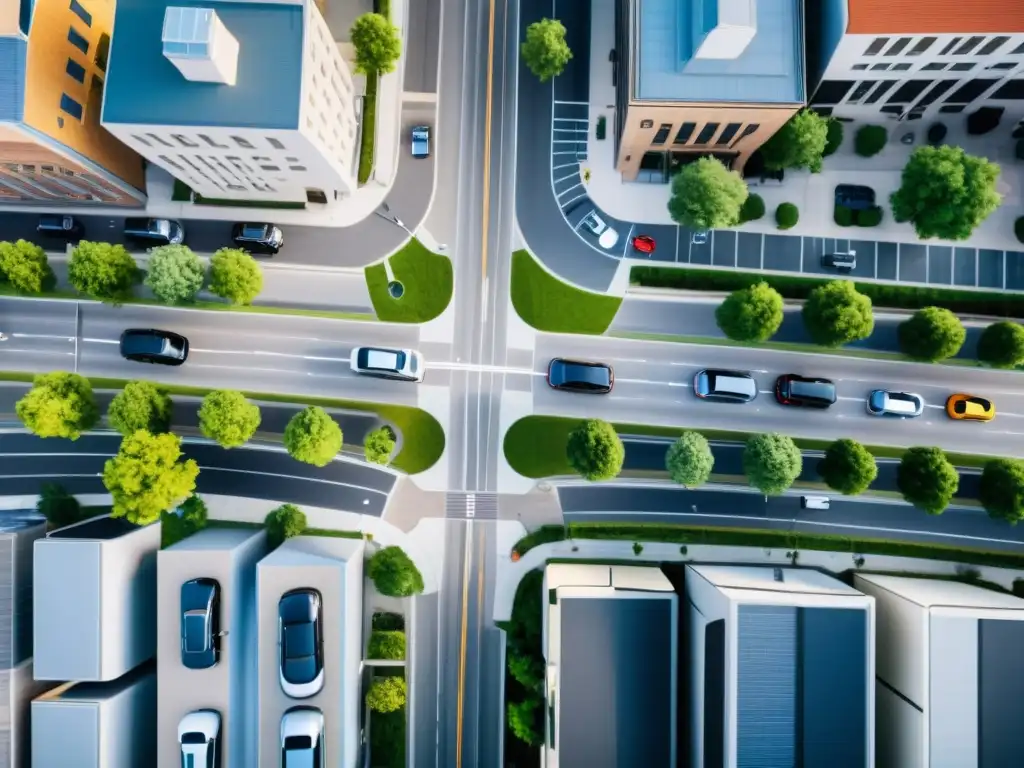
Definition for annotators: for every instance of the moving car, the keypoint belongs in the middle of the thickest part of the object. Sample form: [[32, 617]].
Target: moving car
[[699, 238], [898, 405], [301, 642], [200, 623], [302, 738], [154, 231], [814, 502], [725, 386], [970, 408], [258, 238], [841, 261], [421, 141], [643, 244], [56, 225], [606, 236], [199, 736], [404, 364], [792, 389], [150, 345], [577, 376]]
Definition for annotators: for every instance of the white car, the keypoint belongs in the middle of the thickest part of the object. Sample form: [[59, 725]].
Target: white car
[[404, 364], [197, 734], [700, 237], [606, 236], [302, 738]]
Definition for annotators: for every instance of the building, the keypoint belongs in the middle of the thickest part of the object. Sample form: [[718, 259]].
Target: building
[[610, 643], [94, 601], [238, 100], [950, 673], [703, 77], [781, 668], [53, 150], [879, 59]]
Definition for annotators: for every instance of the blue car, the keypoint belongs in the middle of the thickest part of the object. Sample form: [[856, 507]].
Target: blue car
[[200, 623], [421, 141]]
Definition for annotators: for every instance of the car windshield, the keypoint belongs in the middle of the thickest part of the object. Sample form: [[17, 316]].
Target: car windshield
[[170, 347], [161, 226], [381, 360], [299, 752], [193, 737], [195, 632], [419, 134], [253, 232]]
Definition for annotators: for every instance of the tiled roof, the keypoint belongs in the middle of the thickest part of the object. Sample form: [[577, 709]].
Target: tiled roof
[[908, 17]]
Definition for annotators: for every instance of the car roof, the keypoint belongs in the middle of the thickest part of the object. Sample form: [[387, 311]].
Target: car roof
[[592, 373]]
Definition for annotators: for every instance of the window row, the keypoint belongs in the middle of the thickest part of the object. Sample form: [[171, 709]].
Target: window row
[[958, 46], [185, 141], [836, 92], [934, 66], [708, 132]]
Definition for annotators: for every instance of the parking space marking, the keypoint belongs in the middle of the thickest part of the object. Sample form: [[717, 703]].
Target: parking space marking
[[762, 251], [897, 262], [952, 261], [677, 246], [567, 176], [977, 267], [736, 251], [927, 264], [565, 165], [575, 103], [629, 239], [875, 274], [566, 205], [1004, 270], [802, 239], [689, 248], [574, 186]]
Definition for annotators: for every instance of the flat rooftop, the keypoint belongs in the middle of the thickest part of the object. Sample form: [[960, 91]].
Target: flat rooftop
[[102, 528]]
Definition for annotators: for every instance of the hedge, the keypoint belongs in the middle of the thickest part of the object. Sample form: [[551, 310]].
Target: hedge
[[869, 217], [834, 137], [870, 140], [843, 216], [752, 208], [787, 215]]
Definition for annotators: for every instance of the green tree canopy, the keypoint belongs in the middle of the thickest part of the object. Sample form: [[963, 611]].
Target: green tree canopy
[[527, 670], [228, 417], [386, 694], [140, 405], [58, 506], [25, 267], [524, 720], [836, 314], [194, 512], [388, 645], [545, 51], [945, 192], [594, 451], [147, 476], [707, 195], [377, 44], [103, 271], [848, 467], [189, 518], [313, 436], [689, 459], [284, 522], [931, 334], [59, 404], [175, 274], [1001, 344], [1002, 489], [235, 276], [394, 573], [800, 143], [772, 462], [751, 314], [379, 445], [927, 479]]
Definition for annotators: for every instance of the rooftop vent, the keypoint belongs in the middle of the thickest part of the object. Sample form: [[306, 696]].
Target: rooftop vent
[[722, 29], [196, 41]]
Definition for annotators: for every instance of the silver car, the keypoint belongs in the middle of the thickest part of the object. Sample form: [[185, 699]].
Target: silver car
[[198, 734], [606, 236], [897, 405], [404, 364]]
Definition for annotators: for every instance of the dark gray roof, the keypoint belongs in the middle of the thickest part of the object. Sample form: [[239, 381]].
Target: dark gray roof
[[96, 528], [12, 78], [144, 87], [1000, 691], [615, 683]]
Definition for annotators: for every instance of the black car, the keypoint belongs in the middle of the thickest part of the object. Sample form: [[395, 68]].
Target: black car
[[258, 238], [56, 225], [149, 345], [577, 376], [200, 623], [301, 642], [792, 389]]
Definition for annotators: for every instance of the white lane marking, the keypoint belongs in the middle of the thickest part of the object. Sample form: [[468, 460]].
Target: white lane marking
[[41, 336], [100, 341], [5, 348]]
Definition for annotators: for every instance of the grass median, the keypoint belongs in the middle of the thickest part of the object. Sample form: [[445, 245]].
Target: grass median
[[427, 279], [548, 304]]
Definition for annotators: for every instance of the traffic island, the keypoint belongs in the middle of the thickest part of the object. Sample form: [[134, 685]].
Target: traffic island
[[418, 288], [548, 304]]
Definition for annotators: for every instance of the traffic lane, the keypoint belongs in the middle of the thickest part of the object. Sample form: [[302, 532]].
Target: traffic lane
[[41, 334]]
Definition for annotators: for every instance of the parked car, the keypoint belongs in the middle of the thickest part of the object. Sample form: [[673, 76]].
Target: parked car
[[152, 232], [898, 405], [302, 738], [200, 623], [844, 262], [792, 389], [643, 244], [970, 408], [725, 386], [150, 345], [699, 238], [606, 236], [199, 737], [855, 196], [403, 364], [56, 225], [420, 137], [258, 238], [578, 376], [301, 642]]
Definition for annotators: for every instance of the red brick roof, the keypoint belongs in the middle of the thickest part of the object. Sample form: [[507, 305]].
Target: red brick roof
[[908, 17]]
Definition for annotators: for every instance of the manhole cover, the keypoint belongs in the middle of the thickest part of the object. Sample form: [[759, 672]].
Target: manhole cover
[[396, 289]]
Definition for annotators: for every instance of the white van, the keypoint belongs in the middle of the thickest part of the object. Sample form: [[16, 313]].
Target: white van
[[814, 502]]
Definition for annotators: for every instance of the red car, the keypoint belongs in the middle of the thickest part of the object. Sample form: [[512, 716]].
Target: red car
[[643, 243]]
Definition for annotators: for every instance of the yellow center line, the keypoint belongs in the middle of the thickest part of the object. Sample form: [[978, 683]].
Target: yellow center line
[[467, 553], [487, 141]]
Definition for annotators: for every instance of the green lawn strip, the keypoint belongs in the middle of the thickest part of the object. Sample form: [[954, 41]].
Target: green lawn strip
[[548, 304], [275, 204], [428, 280], [368, 129], [333, 534], [181, 192]]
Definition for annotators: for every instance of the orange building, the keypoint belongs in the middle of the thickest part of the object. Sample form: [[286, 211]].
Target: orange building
[[53, 61]]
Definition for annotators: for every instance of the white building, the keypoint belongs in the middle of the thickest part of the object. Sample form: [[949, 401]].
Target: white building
[[878, 59], [238, 100], [950, 673]]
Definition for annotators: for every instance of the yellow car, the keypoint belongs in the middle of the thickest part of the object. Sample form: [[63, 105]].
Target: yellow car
[[970, 408]]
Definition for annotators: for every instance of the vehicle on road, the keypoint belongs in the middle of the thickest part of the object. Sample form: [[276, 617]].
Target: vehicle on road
[[152, 232], [898, 405], [199, 737], [301, 642], [302, 738], [844, 262], [724, 386], [644, 244], [606, 236], [150, 345], [970, 408], [792, 389], [258, 238], [856, 197], [200, 623], [403, 364], [56, 225], [699, 238], [814, 502], [578, 376], [420, 137]]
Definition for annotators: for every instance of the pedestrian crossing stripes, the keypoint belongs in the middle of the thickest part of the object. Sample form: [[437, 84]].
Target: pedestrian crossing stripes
[[471, 506]]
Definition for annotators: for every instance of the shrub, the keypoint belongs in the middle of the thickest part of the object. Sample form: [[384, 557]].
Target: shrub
[[870, 140], [58, 506], [689, 459], [751, 314], [175, 274], [870, 217], [752, 208], [771, 462], [927, 479], [228, 417], [379, 444], [931, 334], [386, 694], [59, 404], [394, 573], [843, 216], [283, 523], [1018, 229], [602, 124], [313, 437], [848, 467], [25, 267], [834, 137], [140, 405], [103, 271], [1001, 345], [787, 215], [1002, 489], [936, 133], [836, 313], [594, 450], [235, 276], [386, 645]]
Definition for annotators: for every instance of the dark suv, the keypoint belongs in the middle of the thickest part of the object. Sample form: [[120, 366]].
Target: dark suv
[[149, 345], [200, 623], [792, 389], [576, 376], [258, 238]]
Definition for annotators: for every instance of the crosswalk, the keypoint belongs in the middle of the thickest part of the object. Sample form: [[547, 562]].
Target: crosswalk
[[462, 505]]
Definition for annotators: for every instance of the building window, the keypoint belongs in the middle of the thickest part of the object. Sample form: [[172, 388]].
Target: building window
[[275, 143], [879, 67], [833, 91], [662, 135], [185, 142], [970, 45], [1002, 65], [862, 90], [935, 92], [316, 196], [211, 142], [883, 88], [971, 90], [965, 66], [876, 45], [921, 46], [1019, 49], [270, 168], [726, 136], [159, 140], [934, 66], [1012, 90], [245, 143], [77, 40], [897, 48], [950, 109], [296, 167], [70, 106], [901, 67], [950, 46], [709, 130], [859, 66], [75, 70], [993, 45], [141, 140], [80, 12], [909, 91]]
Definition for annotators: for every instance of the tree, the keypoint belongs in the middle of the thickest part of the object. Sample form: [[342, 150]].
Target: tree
[[689, 459], [194, 512], [1002, 489], [545, 51], [284, 522], [379, 445], [228, 417], [786, 216], [931, 334], [394, 573], [140, 405], [188, 518], [1001, 344], [58, 506], [25, 267], [103, 271], [377, 44], [235, 276], [836, 314], [313, 436], [175, 274], [146, 477], [594, 450], [752, 208], [386, 694], [772, 462], [524, 720], [945, 192], [707, 195], [800, 143], [927, 479], [751, 314], [59, 404], [386, 645], [848, 467]]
